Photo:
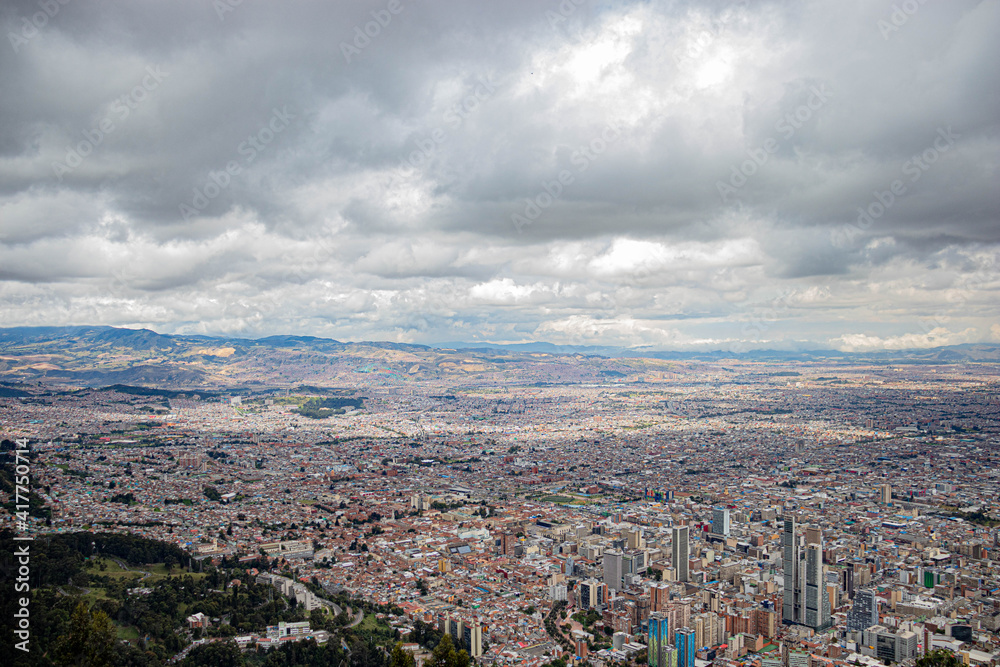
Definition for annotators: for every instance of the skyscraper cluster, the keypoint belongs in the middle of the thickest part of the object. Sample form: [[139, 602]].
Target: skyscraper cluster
[[805, 600]]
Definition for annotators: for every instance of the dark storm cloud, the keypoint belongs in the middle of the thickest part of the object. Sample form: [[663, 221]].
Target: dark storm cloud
[[582, 171]]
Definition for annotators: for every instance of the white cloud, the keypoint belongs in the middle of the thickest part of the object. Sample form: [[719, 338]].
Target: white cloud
[[936, 337], [503, 291], [625, 331]]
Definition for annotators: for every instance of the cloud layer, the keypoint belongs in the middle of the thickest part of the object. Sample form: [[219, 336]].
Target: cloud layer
[[675, 174]]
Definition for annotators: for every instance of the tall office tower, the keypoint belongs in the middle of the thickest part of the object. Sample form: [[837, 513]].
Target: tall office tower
[[678, 616], [507, 543], [592, 593], [817, 597], [633, 562], [764, 622], [847, 581], [628, 567], [660, 652], [613, 569], [603, 596], [720, 521], [708, 624], [885, 494], [587, 594], [792, 603], [472, 638], [636, 540], [718, 629], [659, 595], [569, 566], [639, 558], [814, 535], [655, 634], [864, 613], [680, 551], [685, 645]]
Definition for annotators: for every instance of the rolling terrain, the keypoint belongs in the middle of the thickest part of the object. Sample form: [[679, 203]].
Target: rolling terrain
[[101, 356]]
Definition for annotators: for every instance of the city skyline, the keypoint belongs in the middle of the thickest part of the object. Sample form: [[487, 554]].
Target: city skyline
[[536, 333]]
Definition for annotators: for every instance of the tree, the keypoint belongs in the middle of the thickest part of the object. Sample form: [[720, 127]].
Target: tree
[[217, 654], [169, 562], [939, 658], [444, 654], [73, 646], [401, 658], [91, 639]]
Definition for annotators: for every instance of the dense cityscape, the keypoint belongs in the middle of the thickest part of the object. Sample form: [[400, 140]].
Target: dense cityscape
[[730, 513], [533, 333]]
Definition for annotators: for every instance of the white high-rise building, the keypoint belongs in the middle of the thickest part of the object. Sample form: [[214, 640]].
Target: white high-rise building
[[720, 521], [864, 613], [613, 569]]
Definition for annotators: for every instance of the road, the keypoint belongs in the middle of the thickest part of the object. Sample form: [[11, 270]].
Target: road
[[123, 565]]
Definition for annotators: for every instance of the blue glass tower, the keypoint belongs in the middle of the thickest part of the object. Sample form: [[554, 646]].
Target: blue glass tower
[[684, 642]]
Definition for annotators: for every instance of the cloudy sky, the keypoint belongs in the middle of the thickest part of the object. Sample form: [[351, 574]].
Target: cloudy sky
[[715, 174]]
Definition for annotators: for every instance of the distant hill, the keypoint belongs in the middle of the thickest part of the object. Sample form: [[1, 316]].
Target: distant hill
[[101, 356]]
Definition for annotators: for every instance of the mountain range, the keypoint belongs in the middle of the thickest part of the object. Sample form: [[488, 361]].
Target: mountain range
[[101, 355]]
